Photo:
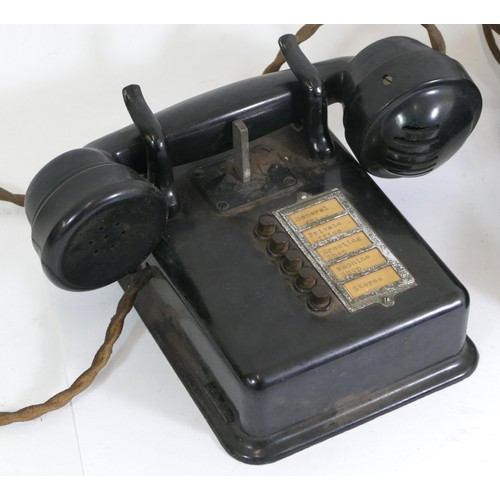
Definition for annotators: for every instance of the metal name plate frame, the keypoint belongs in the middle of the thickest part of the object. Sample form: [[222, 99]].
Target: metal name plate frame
[[350, 257]]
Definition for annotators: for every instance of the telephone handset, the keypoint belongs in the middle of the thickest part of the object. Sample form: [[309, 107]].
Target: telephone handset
[[291, 297]]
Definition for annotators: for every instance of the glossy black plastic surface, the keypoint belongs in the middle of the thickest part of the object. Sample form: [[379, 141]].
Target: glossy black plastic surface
[[273, 367], [315, 117], [408, 108], [264, 103], [271, 375], [93, 220], [158, 162], [397, 93]]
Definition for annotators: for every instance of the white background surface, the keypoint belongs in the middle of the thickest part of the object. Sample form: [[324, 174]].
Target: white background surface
[[60, 88]]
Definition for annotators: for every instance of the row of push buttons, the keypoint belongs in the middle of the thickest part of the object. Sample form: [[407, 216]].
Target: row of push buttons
[[293, 264]]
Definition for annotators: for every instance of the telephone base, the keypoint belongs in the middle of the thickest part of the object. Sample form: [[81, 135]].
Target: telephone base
[[223, 417], [274, 363]]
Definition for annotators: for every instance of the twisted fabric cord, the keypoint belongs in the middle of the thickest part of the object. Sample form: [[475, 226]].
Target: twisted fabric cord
[[17, 199], [488, 30], [436, 38], [139, 280], [308, 30]]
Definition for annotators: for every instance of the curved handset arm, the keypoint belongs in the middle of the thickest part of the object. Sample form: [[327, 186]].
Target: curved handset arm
[[315, 117], [159, 168]]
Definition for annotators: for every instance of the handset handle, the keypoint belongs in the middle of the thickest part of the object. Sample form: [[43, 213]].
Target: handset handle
[[264, 103]]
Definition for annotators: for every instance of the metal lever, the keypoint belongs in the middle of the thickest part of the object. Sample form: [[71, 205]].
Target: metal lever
[[241, 151], [159, 168], [316, 109]]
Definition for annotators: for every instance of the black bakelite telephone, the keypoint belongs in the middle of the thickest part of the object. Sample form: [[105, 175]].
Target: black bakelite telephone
[[291, 297]]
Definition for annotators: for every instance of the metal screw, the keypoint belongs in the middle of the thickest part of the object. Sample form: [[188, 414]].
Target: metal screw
[[387, 79], [387, 301], [289, 181], [222, 205], [198, 174]]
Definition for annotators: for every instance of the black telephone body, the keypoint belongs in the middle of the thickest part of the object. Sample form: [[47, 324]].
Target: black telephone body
[[291, 297]]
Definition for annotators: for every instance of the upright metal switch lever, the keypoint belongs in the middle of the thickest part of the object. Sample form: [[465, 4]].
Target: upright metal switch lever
[[241, 151]]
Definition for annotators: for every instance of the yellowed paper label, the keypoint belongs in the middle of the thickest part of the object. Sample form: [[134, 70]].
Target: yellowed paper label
[[371, 282], [348, 254], [317, 212], [328, 229], [341, 247], [358, 263]]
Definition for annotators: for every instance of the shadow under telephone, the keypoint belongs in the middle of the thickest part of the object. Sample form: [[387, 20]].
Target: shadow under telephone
[[290, 296]]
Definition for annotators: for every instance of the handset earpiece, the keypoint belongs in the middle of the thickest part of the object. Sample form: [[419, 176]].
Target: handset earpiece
[[408, 108], [93, 220]]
